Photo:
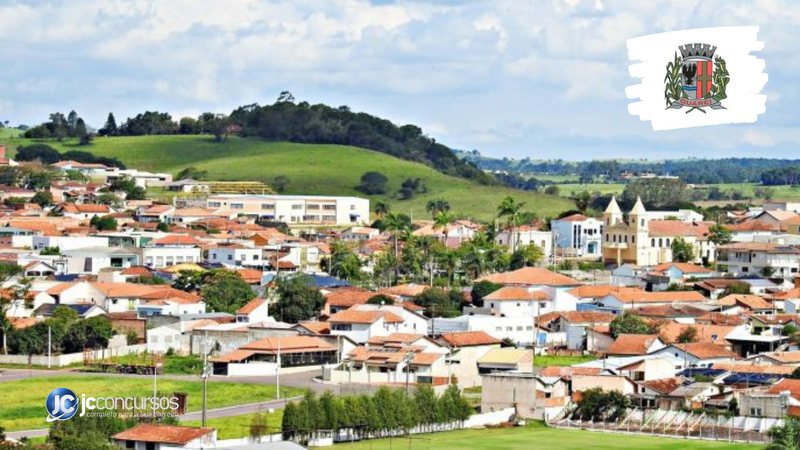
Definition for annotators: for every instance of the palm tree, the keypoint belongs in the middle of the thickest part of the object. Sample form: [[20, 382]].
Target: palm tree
[[381, 209], [436, 206], [396, 223], [443, 220], [511, 208], [476, 260]]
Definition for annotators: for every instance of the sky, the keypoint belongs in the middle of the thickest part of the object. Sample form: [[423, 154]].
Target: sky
[[517, 78]]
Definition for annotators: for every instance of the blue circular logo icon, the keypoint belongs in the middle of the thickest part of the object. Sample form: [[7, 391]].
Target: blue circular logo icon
[[61, 404]]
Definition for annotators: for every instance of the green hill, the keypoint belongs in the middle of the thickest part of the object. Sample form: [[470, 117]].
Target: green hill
[[311, 169]]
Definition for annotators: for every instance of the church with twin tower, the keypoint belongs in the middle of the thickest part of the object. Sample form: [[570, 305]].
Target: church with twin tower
[[644, 238]]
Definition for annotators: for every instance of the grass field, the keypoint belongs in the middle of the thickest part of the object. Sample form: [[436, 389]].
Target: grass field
[[566, 190], [311, 169], [22, 407], [536, 436], [550, 360], [239, 426], [8, 133]]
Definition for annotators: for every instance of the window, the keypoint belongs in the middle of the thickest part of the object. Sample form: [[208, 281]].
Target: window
[[267, 206], [755, 412], [542, 304], [329, 207], [230, 257], [329, 218], [237, 205], [297, 206], [509, 328], [312, 207], [518, 304], [255, 257], [519, 328]]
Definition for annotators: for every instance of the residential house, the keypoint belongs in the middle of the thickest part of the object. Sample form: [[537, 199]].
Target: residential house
[[525, 235], [506, 359], [578, 235], [630, 299], [263, 357], [150, 436], [466, 348], [172, 249], [760, 258], [698, 354], [634, 344], [360, 233], [254, 311]]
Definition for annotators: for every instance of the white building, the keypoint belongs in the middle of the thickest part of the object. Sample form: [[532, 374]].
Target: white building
[[578, 235], [232, 255], [743, 258], [296, 209], [525, 235]]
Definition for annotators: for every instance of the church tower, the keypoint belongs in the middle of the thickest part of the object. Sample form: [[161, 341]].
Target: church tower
[[613, 214]]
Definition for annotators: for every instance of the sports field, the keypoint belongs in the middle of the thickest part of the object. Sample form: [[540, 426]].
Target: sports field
[[22, 405], [536, 436]]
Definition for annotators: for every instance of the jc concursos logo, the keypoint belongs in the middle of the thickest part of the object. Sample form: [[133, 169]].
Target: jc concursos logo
[[61, 404]]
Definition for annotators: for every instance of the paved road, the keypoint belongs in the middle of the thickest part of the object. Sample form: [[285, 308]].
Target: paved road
[[227, 411], [303, 380]]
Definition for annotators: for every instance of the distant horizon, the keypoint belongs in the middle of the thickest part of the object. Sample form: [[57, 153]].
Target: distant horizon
[[542, 80]]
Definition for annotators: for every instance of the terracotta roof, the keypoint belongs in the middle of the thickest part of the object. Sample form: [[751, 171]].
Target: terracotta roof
[[753, 225], [678, 228], [576, 317], [290, 344], [86, 208], [404, 290], [234, 356], [567, 372], [251, 306], [791, 293], [776, 319], [516, 293], [706, 350], [769, 247], [663, 385], [177, 239], [669, 332], [631, 297], [787, 384], [686, 268], [574, 218], [784, 357], [668, 311], [754, 368], [348, 297], [467, 339], [748, 300], [356, 316], [718, 318], [599, 290], [631, 344], [250, 276], [165, 434], [136, 271], [395, 338], [23, 322], [531, 276], [317, 327]]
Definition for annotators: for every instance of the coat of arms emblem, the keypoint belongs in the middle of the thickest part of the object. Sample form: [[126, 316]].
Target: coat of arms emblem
[[696, 79]]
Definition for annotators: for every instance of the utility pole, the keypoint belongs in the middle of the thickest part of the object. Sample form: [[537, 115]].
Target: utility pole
[[49, 346], [204, 376], [278, 372]]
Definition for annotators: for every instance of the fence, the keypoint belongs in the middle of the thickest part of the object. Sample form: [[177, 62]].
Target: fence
[[67, 359], [680, 424]]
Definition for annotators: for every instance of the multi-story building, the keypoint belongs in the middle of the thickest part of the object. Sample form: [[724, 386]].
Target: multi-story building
[[760, 258], [578, 235], [295, 209]]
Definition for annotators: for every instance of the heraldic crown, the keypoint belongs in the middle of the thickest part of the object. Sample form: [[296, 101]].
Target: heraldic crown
[[697, 51]]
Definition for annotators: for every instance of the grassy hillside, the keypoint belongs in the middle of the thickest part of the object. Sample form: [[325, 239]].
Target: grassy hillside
[[311, 169]]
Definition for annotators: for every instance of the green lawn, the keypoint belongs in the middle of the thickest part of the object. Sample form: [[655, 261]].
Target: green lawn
[[536, 437], [566, 190], [311, 169], [551, 360], [239, 426], [22, 405]]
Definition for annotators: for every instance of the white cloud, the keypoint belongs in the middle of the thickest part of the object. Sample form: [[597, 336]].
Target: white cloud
[[522, 78]]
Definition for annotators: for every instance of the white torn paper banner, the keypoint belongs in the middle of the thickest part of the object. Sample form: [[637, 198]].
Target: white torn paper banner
[[699, 77]]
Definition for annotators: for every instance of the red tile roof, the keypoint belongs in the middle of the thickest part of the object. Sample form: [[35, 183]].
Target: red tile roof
[[669, 332], [251, 306], [599, 290], [165, 434], [516, 293], [787, 384], [289, 344], [638, 297], [663, 385], [676, 228], [631, 344], [468, 339], [364, 317], [531, 276], [348, 297], [686, 268], [706, 350], [177, 239]]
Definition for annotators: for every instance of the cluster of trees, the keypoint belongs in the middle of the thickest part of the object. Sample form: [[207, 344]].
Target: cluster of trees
[[376, 183], [223, 290], [69, 334], [388, 412], [599, 405], [48, 155], [628, 323], [782, 175], [59, 127], [298, 298], [695, 171], [286, 120]]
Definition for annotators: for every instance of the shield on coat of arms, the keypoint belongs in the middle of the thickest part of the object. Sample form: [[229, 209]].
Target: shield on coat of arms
[[691, 80]]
